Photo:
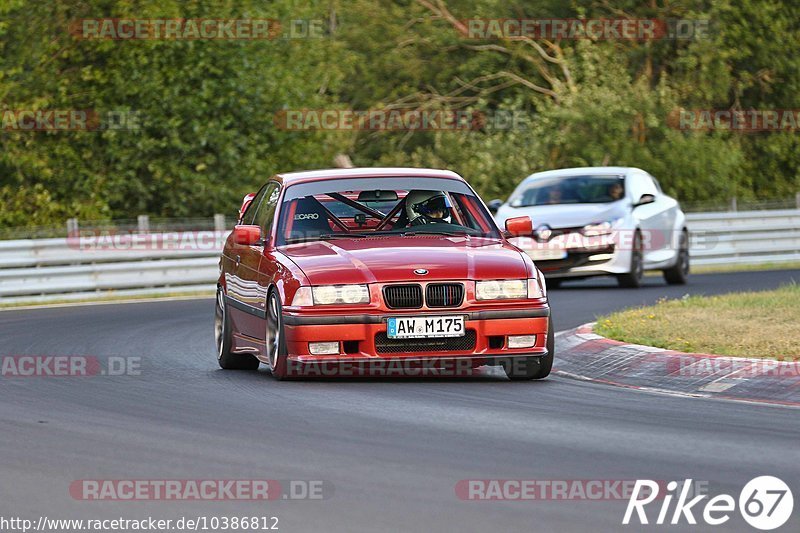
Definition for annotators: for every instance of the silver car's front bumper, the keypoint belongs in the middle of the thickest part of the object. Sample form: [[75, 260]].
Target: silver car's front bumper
[[573, 255]]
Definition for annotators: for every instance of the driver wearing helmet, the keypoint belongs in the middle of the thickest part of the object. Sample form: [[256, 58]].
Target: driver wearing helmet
[[427, 207]]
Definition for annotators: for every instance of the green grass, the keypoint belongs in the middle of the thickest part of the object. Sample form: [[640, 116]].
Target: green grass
[[750, 267], [748, 324], [710, 269]]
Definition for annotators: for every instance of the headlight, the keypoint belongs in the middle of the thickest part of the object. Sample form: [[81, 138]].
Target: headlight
[[514, 289], [537, 287], [303, 298], [501, 289], [602, 228], [340, 294], [594, 230], [331, 295]]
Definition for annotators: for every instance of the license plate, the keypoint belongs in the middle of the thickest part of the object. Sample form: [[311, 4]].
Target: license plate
[[547, 254], [425, 326]]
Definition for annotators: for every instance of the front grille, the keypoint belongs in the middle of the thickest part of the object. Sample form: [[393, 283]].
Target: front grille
[[556, 233], [574, 259], [383, 344], [444, 294], [403, 296]]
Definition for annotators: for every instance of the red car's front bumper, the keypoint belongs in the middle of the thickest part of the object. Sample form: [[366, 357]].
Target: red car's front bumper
[[362, 338]]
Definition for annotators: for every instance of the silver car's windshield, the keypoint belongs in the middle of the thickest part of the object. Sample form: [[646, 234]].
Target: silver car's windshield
[[590, 189]]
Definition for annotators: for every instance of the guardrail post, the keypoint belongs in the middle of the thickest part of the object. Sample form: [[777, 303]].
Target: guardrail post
[[143, 221], [797, 200], [733, 204], [219, 221], [72, 227]]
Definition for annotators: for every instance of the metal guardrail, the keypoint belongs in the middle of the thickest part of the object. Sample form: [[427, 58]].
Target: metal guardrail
[[122, 265], [64, 269], [745, 237]]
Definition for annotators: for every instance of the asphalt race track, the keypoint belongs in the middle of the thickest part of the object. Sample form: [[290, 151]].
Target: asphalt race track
[[392, 449]]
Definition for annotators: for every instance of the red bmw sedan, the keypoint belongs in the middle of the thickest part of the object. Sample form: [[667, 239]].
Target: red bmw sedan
[[398, 268]]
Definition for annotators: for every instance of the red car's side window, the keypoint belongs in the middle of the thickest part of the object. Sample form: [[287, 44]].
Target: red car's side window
[[250, 212]]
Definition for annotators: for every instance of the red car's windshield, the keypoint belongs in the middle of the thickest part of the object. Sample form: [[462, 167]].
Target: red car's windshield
[[355, 208]]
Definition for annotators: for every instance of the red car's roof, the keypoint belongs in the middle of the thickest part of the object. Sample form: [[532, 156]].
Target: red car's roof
[[291, 178]]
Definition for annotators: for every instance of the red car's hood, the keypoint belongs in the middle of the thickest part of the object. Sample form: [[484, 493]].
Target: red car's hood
[[386, 259]]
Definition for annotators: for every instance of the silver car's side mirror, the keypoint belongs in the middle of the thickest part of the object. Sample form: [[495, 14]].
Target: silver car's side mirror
[[645, 199]]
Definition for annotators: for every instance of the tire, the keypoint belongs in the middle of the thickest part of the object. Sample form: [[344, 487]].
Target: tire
[[222, 334], [528, 368], [679, 273], [553, 283], [633, 278], [274, 338]]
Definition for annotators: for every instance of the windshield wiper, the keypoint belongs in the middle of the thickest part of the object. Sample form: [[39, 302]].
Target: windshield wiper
[[343, 235], [435, 232], [326, 236]]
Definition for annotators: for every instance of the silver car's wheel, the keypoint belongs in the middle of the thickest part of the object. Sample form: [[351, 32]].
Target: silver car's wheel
[[633, 279], [679, 273]]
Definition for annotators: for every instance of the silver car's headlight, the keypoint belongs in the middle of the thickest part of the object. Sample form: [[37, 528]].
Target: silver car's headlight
[[602, 228], [508, 289], [331, 295]]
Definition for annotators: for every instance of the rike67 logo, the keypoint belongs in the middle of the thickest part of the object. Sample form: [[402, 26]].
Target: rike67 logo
[[765, 503]]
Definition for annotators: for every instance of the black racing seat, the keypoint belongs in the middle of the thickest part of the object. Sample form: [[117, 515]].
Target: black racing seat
[[310, 219]]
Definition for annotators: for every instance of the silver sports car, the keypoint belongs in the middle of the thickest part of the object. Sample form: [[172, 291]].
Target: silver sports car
[[599, 221]]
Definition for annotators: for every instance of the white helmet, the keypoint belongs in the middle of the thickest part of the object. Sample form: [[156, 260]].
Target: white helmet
[[426, 207]]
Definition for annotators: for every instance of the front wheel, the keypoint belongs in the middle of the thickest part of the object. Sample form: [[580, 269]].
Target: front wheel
[[528, 368], [275, 339], [222, 333], [679, 273], [633, 278]]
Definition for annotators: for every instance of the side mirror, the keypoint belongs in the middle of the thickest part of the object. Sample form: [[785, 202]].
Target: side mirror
[[246, 201], [494, 206], [645, 199], [247, 235], [519, 227]]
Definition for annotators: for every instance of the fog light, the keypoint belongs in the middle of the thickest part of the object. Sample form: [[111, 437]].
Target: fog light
[[522, 341], [601, 257], [323, 348]]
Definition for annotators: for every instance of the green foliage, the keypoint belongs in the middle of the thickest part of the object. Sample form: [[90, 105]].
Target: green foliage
[[206, 108]]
